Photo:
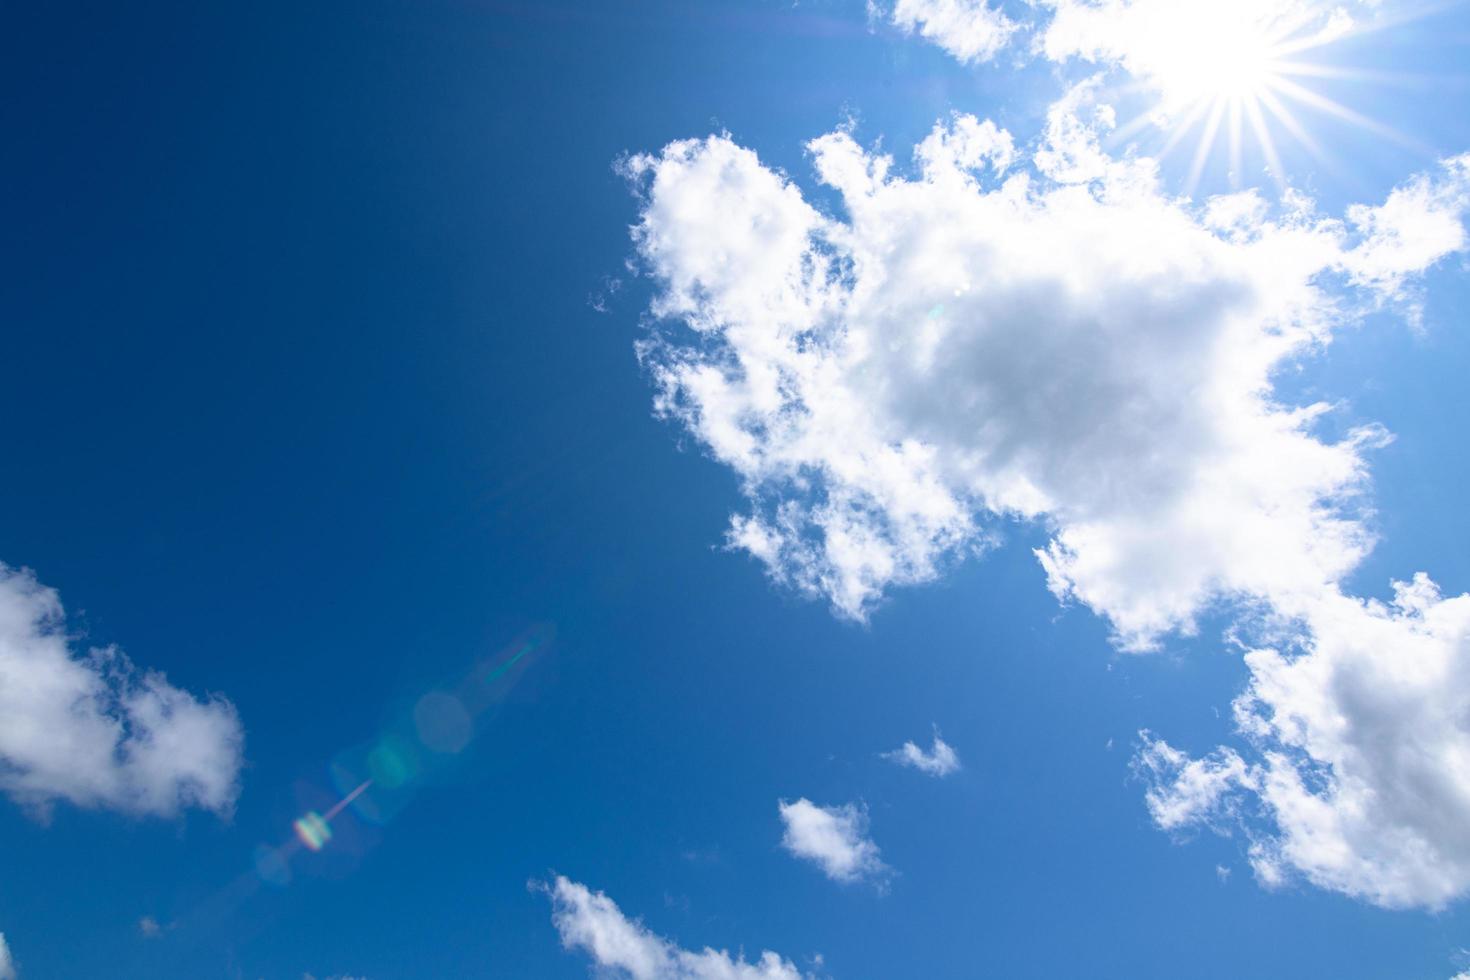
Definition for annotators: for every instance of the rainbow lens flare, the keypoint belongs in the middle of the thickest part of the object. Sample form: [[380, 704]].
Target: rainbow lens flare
[[313, 831], [381, 776], [427, 742]]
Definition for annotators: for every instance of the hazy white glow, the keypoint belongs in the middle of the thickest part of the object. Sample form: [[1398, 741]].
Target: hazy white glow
[[1234, 57], [1194, 50], [1215, 65]]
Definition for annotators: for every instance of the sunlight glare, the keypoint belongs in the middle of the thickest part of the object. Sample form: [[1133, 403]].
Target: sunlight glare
[[1230, 59], [1215, 65]]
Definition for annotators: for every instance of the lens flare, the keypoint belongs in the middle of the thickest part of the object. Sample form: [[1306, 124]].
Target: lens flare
[[380, 777], [393, 762], [313, 831], [442, 723], [271, 865]]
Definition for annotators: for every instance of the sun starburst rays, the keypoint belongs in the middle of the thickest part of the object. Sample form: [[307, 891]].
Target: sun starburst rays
[[1237, 79]]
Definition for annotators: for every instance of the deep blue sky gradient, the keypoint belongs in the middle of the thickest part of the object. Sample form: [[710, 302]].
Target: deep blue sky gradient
[[305, 402]]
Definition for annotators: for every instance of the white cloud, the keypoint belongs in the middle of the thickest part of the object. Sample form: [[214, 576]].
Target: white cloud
[[1075, 348], [1184, 792], [622, 947], [940, 760], [7, 963], [970, 30], [1420, 222], [834, 838], [1064, 343], [90, 730], [1358, 771]]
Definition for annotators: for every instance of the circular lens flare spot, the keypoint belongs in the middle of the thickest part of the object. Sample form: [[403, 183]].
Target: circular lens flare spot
[[442, 723], [271, 865], [392, 762]]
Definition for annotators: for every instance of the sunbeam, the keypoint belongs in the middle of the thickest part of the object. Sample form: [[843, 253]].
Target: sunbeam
[[1240, 67]]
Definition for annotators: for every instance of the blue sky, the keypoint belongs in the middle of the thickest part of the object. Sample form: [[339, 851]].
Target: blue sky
[[333, 372]]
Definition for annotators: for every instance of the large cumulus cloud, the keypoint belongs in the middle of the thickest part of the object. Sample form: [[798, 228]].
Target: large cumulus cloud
[[972, 340]]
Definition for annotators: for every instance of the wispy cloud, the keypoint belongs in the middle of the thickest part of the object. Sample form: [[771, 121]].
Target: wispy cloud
[[970, 30], [940, 760], [623, 947]]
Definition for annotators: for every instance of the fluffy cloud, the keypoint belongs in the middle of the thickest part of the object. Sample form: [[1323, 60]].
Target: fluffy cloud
[[89, 729], [7, 964], [834, 838], [1420, 222], [970, 30], [1357, 773], [592, 922], [971, 341], [940, 760], [1071, 346]]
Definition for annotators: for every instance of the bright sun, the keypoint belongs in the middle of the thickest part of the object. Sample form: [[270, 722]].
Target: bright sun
[[1236, 60], [1228, 66]]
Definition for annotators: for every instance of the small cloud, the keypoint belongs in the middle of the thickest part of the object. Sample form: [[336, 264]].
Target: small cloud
[[970, 30], [601, 300], [7, 963], [149, 926], [1222, 872], [701, 856], [940, 760], [626, 948], [115, 736], [835, 838]]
